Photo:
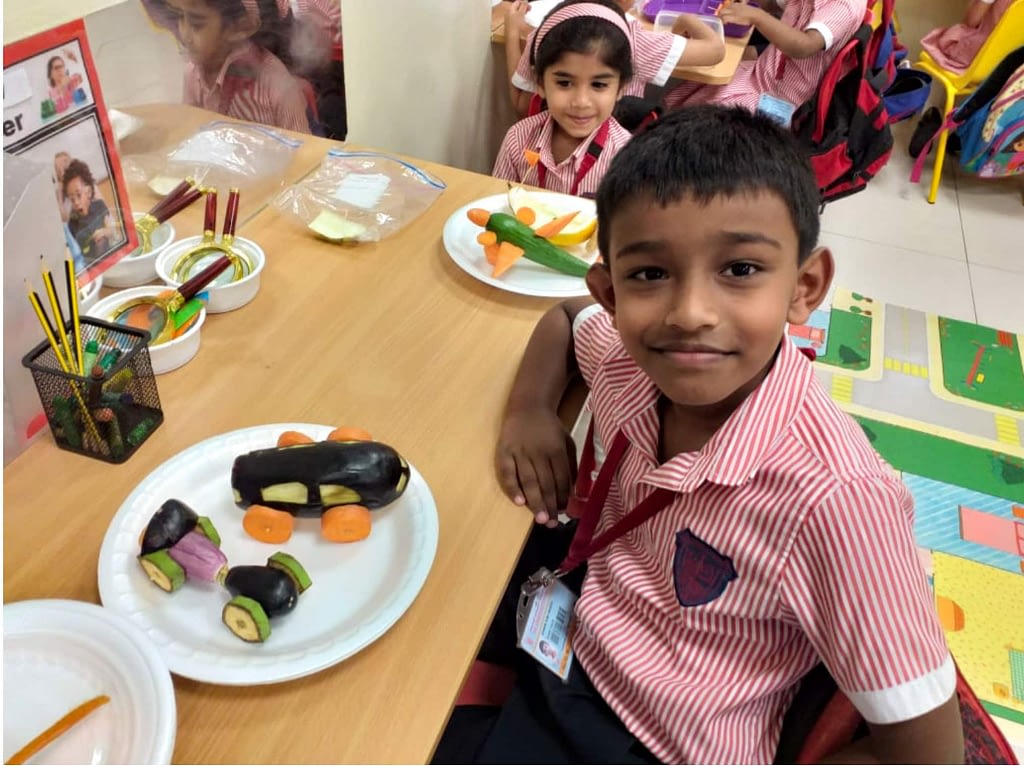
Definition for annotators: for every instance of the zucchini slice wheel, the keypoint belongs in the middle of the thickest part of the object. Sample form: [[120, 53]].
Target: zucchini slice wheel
[[291, 567], [205, 527], [166, 573], [246, 619]]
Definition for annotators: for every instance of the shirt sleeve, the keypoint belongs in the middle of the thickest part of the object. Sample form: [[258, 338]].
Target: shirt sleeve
[[523, 76], [593, 334], [655, 55], [835, 20], [854, 583], [504, 167]]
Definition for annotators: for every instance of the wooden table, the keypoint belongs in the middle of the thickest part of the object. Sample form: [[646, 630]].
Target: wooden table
[[393, 337], [719, 74]]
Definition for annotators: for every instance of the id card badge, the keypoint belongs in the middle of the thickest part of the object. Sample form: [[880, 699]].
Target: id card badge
[[545, 622], [777, 109]]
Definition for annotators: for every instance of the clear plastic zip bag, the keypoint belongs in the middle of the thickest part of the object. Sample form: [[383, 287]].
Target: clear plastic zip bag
[[360, 196], [220, 154]]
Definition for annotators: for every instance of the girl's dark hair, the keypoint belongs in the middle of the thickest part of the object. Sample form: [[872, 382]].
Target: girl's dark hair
[[78, 169], [707, 151], [585, 34], [49, 69], [274, 33]]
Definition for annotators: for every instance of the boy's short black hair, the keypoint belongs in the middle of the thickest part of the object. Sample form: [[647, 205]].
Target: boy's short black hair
[[708, 151], [78, 169]]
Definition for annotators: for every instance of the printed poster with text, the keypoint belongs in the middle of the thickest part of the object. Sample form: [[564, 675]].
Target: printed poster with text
[[54, 114]]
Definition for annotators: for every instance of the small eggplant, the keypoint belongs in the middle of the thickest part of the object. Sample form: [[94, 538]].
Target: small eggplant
[[172, 522], [273, 589]]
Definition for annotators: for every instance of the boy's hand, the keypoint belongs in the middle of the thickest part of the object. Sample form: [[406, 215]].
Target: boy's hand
[[515, 19], [536, 463]]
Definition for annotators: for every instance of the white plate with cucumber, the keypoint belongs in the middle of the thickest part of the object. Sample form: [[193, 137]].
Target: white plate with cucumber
[[526, 277], [359, 589]]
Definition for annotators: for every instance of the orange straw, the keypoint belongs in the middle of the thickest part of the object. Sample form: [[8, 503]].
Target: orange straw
[[58, 728]]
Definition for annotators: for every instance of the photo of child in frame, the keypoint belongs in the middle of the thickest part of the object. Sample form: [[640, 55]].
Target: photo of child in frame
[[65, 88]]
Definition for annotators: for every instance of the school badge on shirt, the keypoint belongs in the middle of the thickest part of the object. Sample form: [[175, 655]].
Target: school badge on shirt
[[700, 573]]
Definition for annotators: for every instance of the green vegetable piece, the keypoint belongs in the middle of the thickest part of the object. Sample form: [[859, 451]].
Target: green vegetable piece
[[291, 567], [205, 527], [246, 619], [166, 573], [537, 249]]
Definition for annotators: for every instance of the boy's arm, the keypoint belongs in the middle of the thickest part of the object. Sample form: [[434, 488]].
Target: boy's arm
[[704, 47], [795, 43], [535, 458], [935, 737], [515, 25]]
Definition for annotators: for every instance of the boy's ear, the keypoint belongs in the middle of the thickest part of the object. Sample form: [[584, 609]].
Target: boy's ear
[[599, 282], [812, 282]]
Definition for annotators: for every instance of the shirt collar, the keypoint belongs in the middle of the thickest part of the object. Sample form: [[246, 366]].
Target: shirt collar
[[733, 455], [246, 50], [544, 147]]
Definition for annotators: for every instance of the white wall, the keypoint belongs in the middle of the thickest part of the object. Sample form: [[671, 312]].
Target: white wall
[[422, 78]]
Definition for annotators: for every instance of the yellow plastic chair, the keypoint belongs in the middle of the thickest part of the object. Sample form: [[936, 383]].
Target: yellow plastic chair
[[1007, 36]]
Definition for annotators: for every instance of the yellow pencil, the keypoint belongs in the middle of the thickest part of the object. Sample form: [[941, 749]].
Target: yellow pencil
[[51, 337], [76, 320], [58, 319]]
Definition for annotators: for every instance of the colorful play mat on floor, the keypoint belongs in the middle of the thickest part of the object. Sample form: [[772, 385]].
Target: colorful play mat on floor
[[943, 402]]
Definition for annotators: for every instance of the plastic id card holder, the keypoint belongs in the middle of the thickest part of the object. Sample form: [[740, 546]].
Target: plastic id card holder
[[777, 109], [545, 625]]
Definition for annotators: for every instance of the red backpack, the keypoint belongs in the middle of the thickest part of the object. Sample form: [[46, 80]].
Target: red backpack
[[845, 128]]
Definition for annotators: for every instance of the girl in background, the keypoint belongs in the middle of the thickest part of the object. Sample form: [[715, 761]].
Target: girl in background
[[954, 47], [238, 52], [655, 54], [582, 60], [802, 44]]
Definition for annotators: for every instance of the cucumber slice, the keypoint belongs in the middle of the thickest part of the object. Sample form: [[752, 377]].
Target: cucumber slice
[[246, 619], [335, 228], [166, 573], [291, 567], [205, 527]]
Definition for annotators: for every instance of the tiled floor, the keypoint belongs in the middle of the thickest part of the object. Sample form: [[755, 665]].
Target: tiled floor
[[962, 257]]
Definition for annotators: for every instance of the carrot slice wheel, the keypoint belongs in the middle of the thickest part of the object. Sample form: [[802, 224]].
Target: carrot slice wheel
[[268, 525]]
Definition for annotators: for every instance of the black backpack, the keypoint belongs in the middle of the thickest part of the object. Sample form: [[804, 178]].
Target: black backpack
[[844, 128]]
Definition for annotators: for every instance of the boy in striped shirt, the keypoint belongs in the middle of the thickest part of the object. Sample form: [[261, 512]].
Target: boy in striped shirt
[[783, 541]]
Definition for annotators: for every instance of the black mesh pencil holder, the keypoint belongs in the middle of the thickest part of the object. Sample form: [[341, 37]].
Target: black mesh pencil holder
[[108, 416]]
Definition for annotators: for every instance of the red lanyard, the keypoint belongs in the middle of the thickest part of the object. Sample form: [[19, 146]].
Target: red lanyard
[[584, 546], [589, 158]]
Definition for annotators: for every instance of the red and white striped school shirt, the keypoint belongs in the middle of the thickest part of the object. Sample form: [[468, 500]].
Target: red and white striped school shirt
[[534, 133], [655, 55], [252, 85], [795, 80], [792, 543]]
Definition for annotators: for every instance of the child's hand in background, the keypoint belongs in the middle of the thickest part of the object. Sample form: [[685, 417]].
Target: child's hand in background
[[536, 463], [738, 12], [515, 19]]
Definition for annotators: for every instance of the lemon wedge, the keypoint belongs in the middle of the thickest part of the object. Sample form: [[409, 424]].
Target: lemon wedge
[[553, 206]]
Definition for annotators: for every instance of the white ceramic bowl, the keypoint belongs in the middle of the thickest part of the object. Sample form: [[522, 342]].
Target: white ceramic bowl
[[136, 269], [225, 294], [89, 294], [166, 356]]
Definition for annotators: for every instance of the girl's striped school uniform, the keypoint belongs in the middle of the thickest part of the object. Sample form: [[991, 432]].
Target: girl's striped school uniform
[[795, 80], [252, 85], [534, 134], [790, 542]]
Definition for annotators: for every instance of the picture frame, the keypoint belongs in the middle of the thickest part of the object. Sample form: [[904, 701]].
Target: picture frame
[[54, 114]]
